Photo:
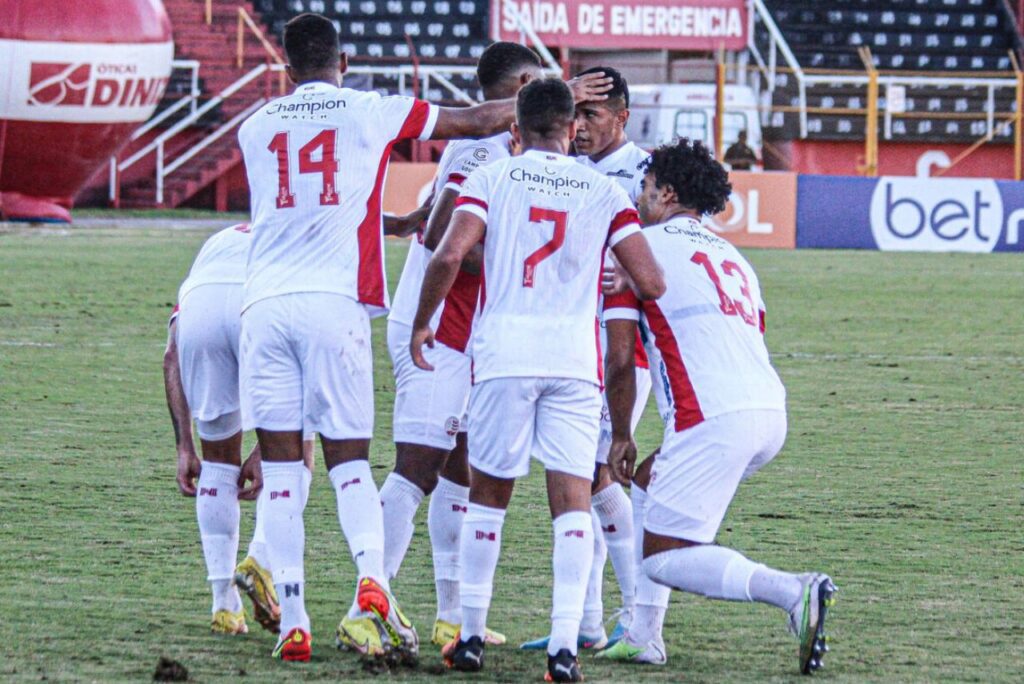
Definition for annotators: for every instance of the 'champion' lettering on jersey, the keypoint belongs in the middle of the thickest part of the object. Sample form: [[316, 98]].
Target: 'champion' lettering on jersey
[[543, 184], [695, 233], [305, 110]]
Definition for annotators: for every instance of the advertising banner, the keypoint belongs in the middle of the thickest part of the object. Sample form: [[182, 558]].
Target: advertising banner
[[908, 214], [761, 211], [632, 24]]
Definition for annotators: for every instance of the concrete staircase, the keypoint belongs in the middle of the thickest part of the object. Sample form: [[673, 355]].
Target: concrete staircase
[[214, 45]]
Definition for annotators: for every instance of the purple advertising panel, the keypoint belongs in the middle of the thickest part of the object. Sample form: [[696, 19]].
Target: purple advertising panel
[[910, 214]]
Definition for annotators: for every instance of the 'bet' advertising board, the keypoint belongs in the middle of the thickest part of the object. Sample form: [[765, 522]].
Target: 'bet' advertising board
[[908, 214]]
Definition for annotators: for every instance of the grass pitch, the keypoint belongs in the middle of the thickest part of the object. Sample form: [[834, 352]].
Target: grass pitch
[[901, 477]]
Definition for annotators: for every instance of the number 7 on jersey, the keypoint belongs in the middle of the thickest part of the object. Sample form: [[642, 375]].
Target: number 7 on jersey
[[559, 219]]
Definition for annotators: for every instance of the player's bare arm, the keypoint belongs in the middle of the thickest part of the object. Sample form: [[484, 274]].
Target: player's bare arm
[[437, 224], [637, 260], [181, 419], [464, 233], [406, 225], [494, 117], [620, 391]]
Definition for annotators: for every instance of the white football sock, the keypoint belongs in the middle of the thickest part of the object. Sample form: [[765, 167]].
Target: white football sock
[[722, 573], [478, 550], [448, 505], [361, 518], [572, 558], [651, 599], [615, 514], [218, 514], [592, 623], [283, 485], [258, 544], [399, 500]]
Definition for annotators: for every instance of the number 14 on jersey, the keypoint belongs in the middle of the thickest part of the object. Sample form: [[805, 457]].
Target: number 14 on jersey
[[327, 166]]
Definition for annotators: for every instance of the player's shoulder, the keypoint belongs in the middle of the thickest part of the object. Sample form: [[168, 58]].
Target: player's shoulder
[[637, 154]]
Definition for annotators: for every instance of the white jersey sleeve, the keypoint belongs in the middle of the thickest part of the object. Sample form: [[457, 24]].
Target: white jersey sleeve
[[316, 161]]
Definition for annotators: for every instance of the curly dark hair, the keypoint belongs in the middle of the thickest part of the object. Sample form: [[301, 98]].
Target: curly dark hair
[[686, 166]]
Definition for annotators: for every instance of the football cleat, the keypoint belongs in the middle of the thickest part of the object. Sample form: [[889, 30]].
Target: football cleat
[[255, 582], [585, 641], [444, 632], [625, 652], [373, 598], [296, 646], [563, 667], [363, 635], [617, 633], [464, 656], [807, 620], [226, 622]]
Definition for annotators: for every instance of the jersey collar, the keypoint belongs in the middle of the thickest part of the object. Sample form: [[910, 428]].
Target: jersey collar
[[616, 160], [546, 156]]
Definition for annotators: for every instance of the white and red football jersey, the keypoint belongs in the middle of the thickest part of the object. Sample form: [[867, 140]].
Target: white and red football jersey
[[459, 159], [624, 166], [549, 220], [316, 162], [708, 355], [221, 260]]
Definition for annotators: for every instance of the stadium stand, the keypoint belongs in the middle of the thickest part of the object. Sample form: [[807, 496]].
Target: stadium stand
[[923, 37]]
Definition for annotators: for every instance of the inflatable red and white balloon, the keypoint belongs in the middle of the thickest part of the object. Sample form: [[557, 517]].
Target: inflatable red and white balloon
[[76, 78]]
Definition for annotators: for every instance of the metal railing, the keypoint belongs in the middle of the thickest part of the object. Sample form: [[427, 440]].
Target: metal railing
[[158, 145], [776, 44]]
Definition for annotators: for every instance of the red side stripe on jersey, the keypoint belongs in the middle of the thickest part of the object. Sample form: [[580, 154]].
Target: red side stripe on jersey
[[461, 201], [624, 218], [456, 178], [414, 123], [456, 324], [762, 322], [687, 408]]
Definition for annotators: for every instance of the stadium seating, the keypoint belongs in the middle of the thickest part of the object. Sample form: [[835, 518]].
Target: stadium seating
[[393, 31], [921, 36]]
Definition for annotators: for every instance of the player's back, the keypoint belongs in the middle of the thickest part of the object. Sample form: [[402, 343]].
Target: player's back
[[548, 222], [316, 161], [221, 260], [708, 327]]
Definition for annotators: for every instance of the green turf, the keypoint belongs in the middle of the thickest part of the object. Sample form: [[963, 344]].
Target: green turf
[[901, 477]]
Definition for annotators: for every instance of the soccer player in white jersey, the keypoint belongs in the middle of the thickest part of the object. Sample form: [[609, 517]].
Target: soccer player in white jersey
[[201, 382], [723, 405], [536, 389], [601, 144], [429, 417], [316, 162]]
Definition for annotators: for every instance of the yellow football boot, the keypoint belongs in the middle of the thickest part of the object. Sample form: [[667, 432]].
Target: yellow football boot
[[445, 632], [226, 622], [361, 634], [256, 583]]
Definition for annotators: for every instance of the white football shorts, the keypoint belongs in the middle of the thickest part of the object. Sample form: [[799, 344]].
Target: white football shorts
[[208, 326], [643, 393], [698, 470], [430, 406], [555, 420], [306, 364]]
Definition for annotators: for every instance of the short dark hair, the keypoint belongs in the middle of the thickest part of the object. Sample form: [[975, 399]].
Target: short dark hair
[[619, 90], [310, 43], [545, 106], [503, 59], [698, 180]]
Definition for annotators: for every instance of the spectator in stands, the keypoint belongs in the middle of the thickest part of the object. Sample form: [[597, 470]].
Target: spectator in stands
[[739, 156]]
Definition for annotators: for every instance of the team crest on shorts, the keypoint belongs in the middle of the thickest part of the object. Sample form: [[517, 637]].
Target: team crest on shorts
[[451, 426]]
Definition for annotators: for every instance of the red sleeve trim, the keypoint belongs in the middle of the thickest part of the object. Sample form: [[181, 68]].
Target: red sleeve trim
[[762, 320], [456, 178], [463, 200], [415, 121], [624, 218], [623, 300]]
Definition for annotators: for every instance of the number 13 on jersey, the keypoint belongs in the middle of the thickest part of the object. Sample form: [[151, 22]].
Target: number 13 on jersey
[[327, 166]]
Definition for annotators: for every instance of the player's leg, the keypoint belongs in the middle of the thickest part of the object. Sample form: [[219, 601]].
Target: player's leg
[[448, 506], [337, 373], [502, 414], [428, 410], [567, 426], [271, 385], [693, 486]]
